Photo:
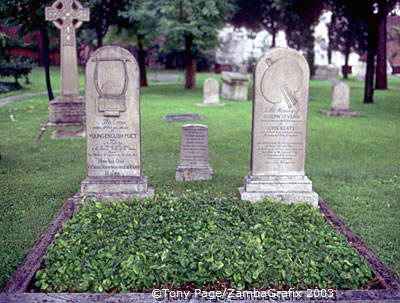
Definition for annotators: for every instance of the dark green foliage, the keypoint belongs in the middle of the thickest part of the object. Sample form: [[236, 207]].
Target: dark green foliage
[[15, 69], [199, 238]]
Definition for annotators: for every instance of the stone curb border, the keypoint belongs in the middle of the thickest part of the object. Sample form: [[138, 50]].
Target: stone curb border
[[15, 290]]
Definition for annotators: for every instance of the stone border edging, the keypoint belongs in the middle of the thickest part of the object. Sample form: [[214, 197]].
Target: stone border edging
[[15, 290], [25, 272], [384, 274]]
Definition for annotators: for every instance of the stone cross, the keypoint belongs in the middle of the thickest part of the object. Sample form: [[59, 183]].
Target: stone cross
[[280, 106], [68, 15]]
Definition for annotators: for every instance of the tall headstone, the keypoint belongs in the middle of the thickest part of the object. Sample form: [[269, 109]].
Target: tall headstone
[[340, 101], [69, 108], [114, 168], [211, 93], [194, 154], [234, 86], [280, 105]]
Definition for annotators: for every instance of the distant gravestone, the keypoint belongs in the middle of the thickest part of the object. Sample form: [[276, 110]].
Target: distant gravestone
[[211, 93], [69, 108], [183, 117], [194, 154], [279, 130], [234, 86], [327, 72], [340, 101], [114, 168], [165, 78]]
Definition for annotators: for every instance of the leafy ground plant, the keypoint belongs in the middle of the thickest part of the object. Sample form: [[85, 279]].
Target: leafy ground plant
[[199, 239]]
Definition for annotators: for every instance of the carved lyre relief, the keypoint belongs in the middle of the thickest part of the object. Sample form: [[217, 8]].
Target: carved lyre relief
[[111, 82], [283, 78]]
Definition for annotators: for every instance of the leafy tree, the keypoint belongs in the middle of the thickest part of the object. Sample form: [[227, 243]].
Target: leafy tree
[[191, 25], [141, 20], [103, 15], [342, 35], [258, 15], [299, 19], [370, 15], [29, 14]]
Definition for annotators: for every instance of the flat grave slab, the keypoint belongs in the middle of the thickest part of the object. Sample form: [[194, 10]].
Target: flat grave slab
[[165, 78], [183, 117]]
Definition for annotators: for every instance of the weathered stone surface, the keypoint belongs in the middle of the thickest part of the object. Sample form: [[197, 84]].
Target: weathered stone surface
[[279, 130], [194, 154], [165, 78], [340, 101], [68, 133], [67, 15], [113, 127], [327, 72], [234, 86], [211, 93], [184, 117]]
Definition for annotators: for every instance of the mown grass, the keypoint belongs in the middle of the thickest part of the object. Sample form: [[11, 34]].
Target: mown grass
[[353, 162]]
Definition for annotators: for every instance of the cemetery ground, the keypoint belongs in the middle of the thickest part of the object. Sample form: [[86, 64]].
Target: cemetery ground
[[353, 162]]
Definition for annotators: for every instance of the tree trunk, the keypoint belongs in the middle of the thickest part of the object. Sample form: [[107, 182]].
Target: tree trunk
[[190, 64], [274, 33], [381, 75], [100, 36], [142, 62], [369, 76], [44, 39], [346, 64]]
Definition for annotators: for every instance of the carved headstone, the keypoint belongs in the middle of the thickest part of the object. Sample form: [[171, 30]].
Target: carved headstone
[[279, 130], [340, 101], [114, 168], [69, 108], [211, 93], [194, 154], [234, 86]]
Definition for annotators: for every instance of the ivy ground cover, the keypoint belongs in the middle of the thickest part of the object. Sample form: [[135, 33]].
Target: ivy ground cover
[[202, 240]]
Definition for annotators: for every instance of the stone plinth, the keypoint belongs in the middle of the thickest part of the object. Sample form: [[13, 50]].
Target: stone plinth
[[66, 110], [114, 168], [340, 102], [279, 130], [193, 163], [210, 93], [234, 86]]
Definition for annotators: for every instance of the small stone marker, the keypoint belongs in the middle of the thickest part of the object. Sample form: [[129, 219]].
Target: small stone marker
[[194, 154], [234, 86], [69, 108], [340, 102], [279, 130], [114, 168], [183, 117], [211, 93]]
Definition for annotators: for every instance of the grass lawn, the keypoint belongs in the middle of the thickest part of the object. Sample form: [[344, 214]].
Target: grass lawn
[[353, 162]]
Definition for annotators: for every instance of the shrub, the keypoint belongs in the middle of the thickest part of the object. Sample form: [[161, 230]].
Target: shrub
[[200, 240], [16, 69]]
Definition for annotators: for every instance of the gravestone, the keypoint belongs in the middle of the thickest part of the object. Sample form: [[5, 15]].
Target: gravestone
[[165, 78], [69, 108], [234, 86], [114, 168], [279, 129], [340, 101], [211, 93], [193, 163], [327, 72], [183, 117]]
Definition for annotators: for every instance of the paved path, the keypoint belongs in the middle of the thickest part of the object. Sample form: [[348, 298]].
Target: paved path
[[8, 100]]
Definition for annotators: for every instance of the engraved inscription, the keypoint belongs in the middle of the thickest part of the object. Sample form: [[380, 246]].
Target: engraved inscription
[[280, 113], [194, 146]]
